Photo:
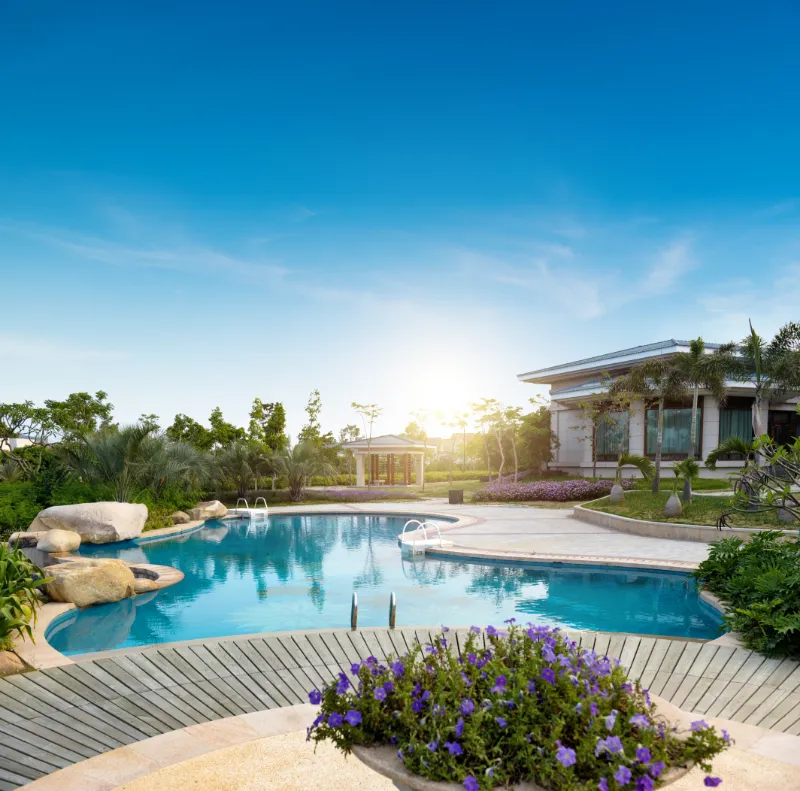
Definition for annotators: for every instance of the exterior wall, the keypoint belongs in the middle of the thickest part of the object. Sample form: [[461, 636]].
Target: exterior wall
[[571, 450], [14, 443]]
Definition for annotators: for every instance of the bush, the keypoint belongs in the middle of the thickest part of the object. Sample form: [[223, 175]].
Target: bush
[[531, 707], [558, 491], [760, 581], [19, 579], [458, 475], [17, 507]]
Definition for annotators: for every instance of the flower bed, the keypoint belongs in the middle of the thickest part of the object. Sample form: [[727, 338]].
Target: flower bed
[[560, 491], [528, 706]]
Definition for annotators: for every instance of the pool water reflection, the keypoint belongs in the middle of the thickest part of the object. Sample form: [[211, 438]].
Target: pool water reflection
[[299, 572]]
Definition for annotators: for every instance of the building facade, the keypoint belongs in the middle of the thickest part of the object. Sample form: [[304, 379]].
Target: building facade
[[572, 384]]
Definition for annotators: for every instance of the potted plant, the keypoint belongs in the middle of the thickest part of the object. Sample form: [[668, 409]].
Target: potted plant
[[525, 708], [642, 463]]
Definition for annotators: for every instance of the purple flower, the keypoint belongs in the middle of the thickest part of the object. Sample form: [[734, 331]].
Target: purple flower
[[398, 668], [501, 722], [467, 706], [645, 783], [639, 720], [499, 685], [726, 736], [699, 725], [454, 748], [372, 660], [465, 679], [531, 687], [353, 718], [548, 654], [355, 667], [623, 775], [471, 784], [335, 720], [472, 659], [475, 629], [548, 675], [611, 720], [417, 706], [433, 746], [343, 685], [657, 768], [445, 629], [593, 708], [315, 697], [711, 782], [642, 755], [389, 686], [426, 695], [602, 785], [459, 729], [380, 694], [612, 744], [647, 698], [566, 756]]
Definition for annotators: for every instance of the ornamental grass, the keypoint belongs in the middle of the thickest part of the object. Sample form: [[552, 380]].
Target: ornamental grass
[[524, 704]]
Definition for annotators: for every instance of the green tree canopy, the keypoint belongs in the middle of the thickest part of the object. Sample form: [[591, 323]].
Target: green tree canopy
[[80, 413], [223, 433], [186, 429], [268, 424]]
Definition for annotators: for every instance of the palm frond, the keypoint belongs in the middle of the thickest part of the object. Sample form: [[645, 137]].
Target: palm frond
[[641, 463], [730, 445]]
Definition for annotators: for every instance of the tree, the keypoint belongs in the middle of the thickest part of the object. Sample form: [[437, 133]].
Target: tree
[[656, 380], [369, 414], [512, 418], [312, 431], [708, 372], [242, 461], [537, 440], [223, 433], [350, 433], [300, 463], [420, 417], [80, 413], [414, 431], [25, 420], [151, 421], [481, 411], [186, 429], [773, 368], [133, 459], [268, 424]]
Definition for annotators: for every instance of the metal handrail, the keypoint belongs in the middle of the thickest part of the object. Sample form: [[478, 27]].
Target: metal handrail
[[246, 506], [255, 506]]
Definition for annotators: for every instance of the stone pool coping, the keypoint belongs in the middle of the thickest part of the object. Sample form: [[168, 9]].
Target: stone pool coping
[[140, 759], [670, 530]]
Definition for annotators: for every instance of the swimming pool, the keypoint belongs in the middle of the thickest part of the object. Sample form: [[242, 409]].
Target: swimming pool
[[299, 572]]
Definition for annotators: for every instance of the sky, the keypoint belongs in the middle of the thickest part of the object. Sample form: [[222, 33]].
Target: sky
[[405, 204]]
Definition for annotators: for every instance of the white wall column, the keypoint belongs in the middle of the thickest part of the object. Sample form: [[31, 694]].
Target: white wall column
[[420, 462], [637, 428], [710, 427], [359, 470]]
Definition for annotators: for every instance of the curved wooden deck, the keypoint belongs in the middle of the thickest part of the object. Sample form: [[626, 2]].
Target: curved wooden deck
[[53, 718]]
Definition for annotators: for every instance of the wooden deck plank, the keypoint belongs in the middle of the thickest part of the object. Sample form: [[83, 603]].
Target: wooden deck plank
[[330, 650], [55, 743], [124, 669], [386, 647], [65, 733], [237, 655], [271, 690], [629, 650], [667, 666], [216, 693], [765, 708], [777, 718], [646, 645], [615, 646], [224, 660], [374, 646], [653, 665], [177, 666], [10, 780], [14, 771], [278, 649], [601, 643], [34, 757], [92, 675]]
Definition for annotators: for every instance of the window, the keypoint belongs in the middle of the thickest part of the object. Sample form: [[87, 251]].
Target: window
[[677, 432], [612, 435]]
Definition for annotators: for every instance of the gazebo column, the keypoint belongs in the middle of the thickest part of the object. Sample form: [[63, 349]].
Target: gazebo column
[[420, 460], [390, 468], [359, 470], [406, 469]]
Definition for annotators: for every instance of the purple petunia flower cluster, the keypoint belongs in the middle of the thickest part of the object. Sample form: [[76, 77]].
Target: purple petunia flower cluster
[[558, 491]]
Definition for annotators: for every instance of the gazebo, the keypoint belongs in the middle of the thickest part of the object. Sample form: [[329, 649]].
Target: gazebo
[[388, 459]]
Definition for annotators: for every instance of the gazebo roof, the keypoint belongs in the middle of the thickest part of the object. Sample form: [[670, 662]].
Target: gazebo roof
[[386, 442]]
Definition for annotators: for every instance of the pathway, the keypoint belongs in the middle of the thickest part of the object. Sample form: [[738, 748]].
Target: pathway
[[50, 719]]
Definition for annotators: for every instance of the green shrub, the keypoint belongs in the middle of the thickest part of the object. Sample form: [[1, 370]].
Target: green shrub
[[760, 581], [19, 579], [530, 706], [458, 475], [17, 507]]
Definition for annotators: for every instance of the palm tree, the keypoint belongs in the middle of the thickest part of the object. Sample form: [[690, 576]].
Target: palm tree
[[707, 372], [653, 380], [689, 470], [300, 463], [133, 459], [10, 472], [239, 463], [773, 368], [731, 445], [642, 463]]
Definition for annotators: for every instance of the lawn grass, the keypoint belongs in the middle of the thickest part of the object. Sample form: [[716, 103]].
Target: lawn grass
[[701, 511], [698, 485]]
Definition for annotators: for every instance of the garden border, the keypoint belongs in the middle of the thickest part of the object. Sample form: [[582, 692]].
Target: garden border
[[670, 530]]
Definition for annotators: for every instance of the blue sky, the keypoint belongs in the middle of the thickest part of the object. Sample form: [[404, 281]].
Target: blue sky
[[405, 204]]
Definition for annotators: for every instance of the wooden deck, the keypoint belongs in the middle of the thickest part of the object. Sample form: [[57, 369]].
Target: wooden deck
[[52, 718]]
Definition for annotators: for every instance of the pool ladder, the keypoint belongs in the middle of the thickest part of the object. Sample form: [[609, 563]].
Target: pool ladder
[[254, 512], [354, 611], [416, 545]]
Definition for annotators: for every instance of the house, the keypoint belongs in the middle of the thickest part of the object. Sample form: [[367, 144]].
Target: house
[[583, 380], [12, 443]]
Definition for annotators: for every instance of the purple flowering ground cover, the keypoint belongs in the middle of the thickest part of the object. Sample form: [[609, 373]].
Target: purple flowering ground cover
[[510, 706], [557, 491]]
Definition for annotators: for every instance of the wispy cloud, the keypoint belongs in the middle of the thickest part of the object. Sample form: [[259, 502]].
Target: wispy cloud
[[33, 350]]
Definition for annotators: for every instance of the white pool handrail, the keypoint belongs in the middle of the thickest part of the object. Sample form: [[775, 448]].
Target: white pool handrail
[[246, 507], [255, 506]]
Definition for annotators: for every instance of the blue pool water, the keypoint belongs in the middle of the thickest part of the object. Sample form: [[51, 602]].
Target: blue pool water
[[299, 572]]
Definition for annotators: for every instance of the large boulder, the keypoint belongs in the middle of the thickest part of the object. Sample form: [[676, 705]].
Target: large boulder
[[95, 523], [25, 540], [180, 518], [211, 509], [59, 541], [85, 582]]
